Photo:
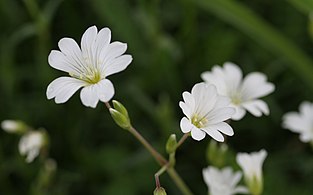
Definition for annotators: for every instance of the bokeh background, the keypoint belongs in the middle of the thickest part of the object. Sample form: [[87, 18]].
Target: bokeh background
[[172, 43]]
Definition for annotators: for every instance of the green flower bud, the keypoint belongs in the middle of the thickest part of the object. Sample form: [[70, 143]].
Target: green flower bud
[[171, 144], [159, 191], [120, 119], [217, 153], [120, 108]]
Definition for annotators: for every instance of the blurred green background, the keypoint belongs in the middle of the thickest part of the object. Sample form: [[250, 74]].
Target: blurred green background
[[172, 43]]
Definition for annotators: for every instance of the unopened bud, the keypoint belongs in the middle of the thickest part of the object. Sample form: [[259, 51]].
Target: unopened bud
[[171, 144], [216, 153], [159, 191], [120, 108], [120, 119], [14, 126]]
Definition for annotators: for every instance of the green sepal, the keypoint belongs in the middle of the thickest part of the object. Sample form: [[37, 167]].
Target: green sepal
[[159, 191], [120, 119], [171, 144], [120, 108]]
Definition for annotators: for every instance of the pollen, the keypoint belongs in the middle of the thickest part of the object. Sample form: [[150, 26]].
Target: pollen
[[198, 121]]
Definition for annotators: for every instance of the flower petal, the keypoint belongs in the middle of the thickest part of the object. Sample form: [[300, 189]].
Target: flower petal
[[59, 61], [256, 107], [88, 40], [214, 133], [255, 86], [89, 96], [103, 39], [220, 115], [241, 190], [233, 75], [70, 48], [306, 110], [197, 134], [114, 50], [224, 128], [105, 90], [189, 101], [118, 64], [205, 97], [185, 108], [185, 125], [239, 114], [217, 78], [63, 88]]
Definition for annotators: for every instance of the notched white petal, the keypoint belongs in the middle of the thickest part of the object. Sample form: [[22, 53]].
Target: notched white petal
[[105, 90], [63, 88], [118, 64], [88, 96], [185, 125], [197, 134], [214, 133]]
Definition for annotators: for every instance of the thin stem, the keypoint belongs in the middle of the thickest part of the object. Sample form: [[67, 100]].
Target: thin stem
[[182, 140], [158, 157], [107, 104], [160, 172], [179, 182]]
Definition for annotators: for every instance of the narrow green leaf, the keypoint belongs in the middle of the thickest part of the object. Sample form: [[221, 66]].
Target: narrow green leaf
[[261, 32]]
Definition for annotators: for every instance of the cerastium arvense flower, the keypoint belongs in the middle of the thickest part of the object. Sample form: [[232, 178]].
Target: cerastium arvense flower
[[88, 67]]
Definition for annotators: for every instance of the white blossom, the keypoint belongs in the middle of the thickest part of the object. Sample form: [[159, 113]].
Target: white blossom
[[88, 66], [30, 144], [251, 165], [224, 181], [13, 126], [301, 122], [243, 92], [205, 112]]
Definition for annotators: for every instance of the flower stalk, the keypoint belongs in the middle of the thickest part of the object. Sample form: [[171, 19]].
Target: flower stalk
[[160, 159]]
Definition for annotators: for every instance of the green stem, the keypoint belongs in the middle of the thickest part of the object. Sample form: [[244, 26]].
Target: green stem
[[160, 172], [182, 140], [160, 159], [179, 182]]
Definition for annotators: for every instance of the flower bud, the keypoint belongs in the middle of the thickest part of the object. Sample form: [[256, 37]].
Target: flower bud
[[171, 144], [14, 126], [120, 108], [159, 191], [120, 119], [217, 153]]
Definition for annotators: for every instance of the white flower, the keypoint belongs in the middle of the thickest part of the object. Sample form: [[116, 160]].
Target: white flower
[[223, 182], [88, 66], [13, 126], [301, 122], [30, 144], [205, 112], [251, 165], [244, 93]]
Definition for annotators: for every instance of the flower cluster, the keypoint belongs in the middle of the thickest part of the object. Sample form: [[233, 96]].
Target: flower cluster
[[225, 181], [223, 95]]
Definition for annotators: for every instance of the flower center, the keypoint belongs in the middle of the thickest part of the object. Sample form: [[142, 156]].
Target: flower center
[[90, 75], [236, 99], [199, 121]]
